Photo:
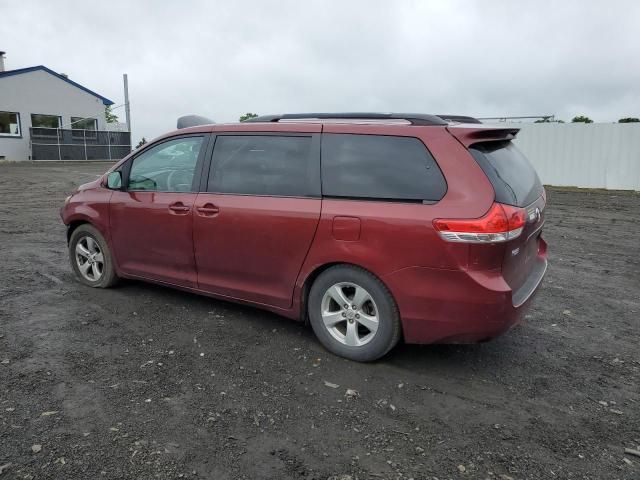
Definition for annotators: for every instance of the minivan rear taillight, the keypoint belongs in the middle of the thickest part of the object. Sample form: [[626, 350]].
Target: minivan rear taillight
[[500, 224]]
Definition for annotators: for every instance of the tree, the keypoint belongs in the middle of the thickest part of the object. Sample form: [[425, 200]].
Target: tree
[[629, 120], [109, 116], [581, 119], [141, 143], [247, 116]]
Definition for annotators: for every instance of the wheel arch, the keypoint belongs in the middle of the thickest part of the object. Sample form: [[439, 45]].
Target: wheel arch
[[72, 226], [316, 272], [78, 221]]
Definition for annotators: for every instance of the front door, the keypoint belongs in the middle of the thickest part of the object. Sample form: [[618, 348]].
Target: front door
[[151, 218], [254, 225]]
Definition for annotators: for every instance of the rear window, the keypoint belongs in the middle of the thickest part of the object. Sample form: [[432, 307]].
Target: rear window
[[512, 176], [379, 167]]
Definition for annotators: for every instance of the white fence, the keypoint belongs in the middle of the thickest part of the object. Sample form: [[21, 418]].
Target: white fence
[[594, 155]]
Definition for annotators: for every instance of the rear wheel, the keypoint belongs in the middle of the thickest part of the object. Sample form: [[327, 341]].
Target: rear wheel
[[90, 257], [353, 314]]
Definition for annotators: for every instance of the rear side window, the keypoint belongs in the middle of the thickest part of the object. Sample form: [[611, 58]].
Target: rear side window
[[513, 178], [379, 167], [270, 165]]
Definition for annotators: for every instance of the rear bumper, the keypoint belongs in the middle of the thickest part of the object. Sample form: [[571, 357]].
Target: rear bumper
[[456, 306], [522, 295]]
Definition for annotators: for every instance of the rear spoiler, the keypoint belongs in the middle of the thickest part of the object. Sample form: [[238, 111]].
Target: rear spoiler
[[470, 134]]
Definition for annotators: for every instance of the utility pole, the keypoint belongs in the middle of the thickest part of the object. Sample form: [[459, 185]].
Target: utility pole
[[126, 102], [127, 112]]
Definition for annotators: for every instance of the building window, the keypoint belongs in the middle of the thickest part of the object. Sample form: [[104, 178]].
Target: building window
[[10, 124], [44, 125], [83, 127], [79, 123], [45, 121]]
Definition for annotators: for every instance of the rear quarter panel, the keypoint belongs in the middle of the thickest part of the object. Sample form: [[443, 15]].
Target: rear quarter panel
[[394, 235]]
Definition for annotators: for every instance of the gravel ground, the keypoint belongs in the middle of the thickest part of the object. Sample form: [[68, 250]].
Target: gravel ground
[[141, 381]]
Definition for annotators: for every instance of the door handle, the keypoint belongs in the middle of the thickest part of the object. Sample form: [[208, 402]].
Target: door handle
[[208, 210], [179, 207]]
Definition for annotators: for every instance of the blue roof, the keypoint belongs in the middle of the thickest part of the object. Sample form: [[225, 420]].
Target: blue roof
[[20, 71]]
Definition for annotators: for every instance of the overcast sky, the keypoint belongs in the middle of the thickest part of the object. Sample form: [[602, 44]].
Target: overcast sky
[[221, 59]]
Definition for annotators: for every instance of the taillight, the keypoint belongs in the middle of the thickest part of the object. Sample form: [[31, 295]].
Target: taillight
[[500, 224]]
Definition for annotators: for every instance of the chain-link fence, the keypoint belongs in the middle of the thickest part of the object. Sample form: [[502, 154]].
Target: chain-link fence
[[76, 144]]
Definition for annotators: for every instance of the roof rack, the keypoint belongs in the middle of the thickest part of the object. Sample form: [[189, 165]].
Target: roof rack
[[459, 119], [413, 118]]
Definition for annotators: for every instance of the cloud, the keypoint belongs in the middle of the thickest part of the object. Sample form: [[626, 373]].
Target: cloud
[[221, 59]]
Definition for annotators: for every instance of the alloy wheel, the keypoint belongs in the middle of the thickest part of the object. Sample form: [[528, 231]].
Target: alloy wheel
[[89, 258], [349, 314]]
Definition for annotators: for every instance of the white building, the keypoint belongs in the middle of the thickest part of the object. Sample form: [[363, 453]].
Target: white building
[[40, 98]]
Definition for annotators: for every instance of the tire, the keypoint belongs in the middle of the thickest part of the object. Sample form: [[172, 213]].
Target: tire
[[352, 332], [90, 258]]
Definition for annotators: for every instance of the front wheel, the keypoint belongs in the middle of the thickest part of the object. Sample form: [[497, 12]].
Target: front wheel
[[90, 257], [353, 313]]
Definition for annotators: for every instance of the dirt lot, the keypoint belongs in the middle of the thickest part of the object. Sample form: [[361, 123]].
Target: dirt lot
[[144, 382]]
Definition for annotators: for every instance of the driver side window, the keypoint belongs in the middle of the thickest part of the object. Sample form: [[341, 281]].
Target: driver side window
[[167, 167]]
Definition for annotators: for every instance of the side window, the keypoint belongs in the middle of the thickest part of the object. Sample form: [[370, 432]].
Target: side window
[[167, 167], [379, 167], [270, 165]]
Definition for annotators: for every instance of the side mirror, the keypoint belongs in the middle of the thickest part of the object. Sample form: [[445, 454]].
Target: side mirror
[[114, 180]]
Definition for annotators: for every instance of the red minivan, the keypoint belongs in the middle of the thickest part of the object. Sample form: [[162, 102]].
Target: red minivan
[[372, 227]]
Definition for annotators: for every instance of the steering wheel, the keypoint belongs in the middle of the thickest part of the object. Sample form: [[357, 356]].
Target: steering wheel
[[180, 184]]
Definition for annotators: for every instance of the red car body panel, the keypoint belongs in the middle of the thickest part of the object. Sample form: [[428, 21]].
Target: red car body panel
[[90, 204], [265, 250], [152, 236], [252, 248]]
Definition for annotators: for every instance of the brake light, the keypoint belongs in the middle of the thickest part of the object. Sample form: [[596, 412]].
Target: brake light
[[500, 224]]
